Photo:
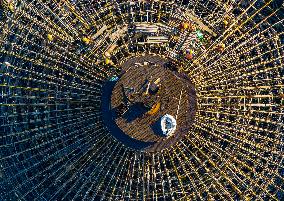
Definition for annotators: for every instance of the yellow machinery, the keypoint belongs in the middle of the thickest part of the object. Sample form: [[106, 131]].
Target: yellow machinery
[[154, 109]]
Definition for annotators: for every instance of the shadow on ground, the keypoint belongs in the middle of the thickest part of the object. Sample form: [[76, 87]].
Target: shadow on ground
[[108, 115]]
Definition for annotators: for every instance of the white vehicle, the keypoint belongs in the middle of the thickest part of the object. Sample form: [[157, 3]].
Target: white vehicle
[[168, 125]]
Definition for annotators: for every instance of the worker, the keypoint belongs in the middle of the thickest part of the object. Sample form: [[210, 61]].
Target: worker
[[199, 34], [189, 54], [226, 20], [192, 27], [50, 37], [225, 23], [86, 40], [8, 4], [184, 26], [11, 7], [107, 61], [221, 47]]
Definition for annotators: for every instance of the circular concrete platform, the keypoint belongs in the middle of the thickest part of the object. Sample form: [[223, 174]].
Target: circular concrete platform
[[176, 97]]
